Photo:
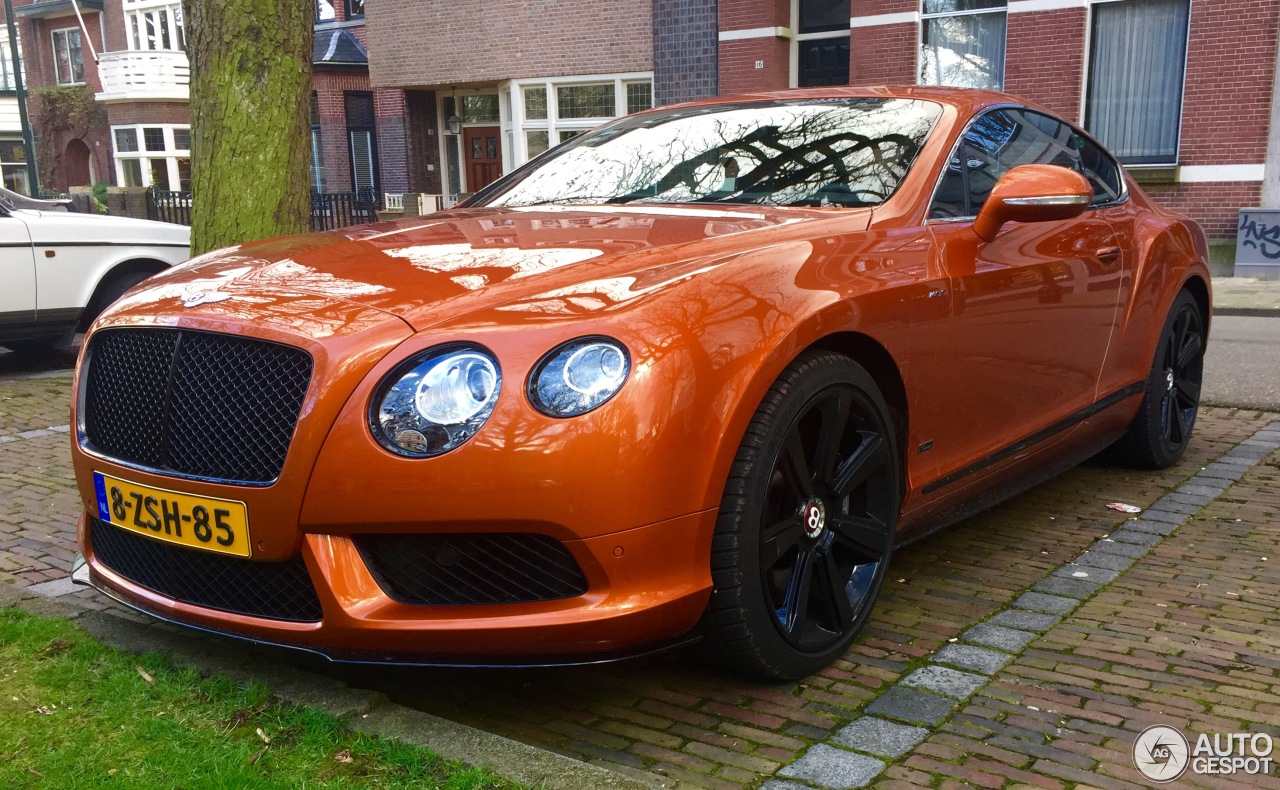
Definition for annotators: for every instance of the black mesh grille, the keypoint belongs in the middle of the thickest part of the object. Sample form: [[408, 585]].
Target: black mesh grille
[[275, 590], [471, 568], [196, 403]]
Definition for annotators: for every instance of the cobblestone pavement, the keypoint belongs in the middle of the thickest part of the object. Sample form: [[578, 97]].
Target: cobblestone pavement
[[981, 666]]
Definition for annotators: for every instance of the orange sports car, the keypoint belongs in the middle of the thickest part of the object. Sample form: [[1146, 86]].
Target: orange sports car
[[693, 374]]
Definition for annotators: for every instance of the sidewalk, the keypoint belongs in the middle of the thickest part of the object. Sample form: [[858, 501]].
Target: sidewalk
[[1027, 646], [1246, 296]]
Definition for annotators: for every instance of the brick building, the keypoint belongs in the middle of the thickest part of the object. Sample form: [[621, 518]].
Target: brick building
[[487, 86], [121, 66]]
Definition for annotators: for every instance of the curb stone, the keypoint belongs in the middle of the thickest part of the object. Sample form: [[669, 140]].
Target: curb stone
[[366, 712]]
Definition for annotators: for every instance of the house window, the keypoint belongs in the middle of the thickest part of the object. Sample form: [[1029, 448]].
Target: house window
[[1137, 64], [68, 59], [544, 113], [362, 140], [821, 44], [13, 166], [7, 82], [317, 149], [962, 43], [153, 155], [355, 9], [324, 11]]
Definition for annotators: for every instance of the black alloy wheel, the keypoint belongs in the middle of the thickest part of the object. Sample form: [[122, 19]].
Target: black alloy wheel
[[1161, 429], [806, 524]]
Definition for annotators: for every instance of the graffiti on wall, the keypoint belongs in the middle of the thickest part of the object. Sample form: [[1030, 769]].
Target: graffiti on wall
[[1258, 239]]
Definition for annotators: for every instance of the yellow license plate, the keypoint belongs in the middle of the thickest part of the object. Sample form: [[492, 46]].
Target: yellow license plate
[[201, 522]]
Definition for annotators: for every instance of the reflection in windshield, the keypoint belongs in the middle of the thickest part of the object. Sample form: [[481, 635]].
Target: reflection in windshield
[[808, 152]]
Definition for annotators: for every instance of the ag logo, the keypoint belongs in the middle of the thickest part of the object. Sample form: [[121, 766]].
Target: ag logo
[[194, 299], [1161, 753], [815, 517]]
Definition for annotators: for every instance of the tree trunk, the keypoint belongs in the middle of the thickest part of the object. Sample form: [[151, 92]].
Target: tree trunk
[[250, 94]]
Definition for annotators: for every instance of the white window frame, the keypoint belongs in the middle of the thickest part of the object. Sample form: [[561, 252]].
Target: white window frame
[[135, 14], [6, 61], [1087, 61], [924, 21], [793, 78], [515, 124], [57, 68], [171, 154], [20, 166]]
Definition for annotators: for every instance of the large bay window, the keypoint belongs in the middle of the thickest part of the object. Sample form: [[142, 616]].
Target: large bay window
[[963, 43], [821, 43], [544, 113], [68, 58], [153, 155], [154, 25], [1137, 65]]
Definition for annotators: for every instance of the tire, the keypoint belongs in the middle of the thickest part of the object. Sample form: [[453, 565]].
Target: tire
[[114, 287], [1162, 427], [806, 523]]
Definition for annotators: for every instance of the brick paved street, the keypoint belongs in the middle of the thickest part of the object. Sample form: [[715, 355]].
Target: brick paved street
[[1187, 636]]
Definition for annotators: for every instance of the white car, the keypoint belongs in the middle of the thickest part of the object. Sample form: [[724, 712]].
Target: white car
[[59, 269]]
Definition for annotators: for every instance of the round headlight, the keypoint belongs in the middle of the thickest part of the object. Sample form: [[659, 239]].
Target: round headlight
[[578, 376], [435, 401]]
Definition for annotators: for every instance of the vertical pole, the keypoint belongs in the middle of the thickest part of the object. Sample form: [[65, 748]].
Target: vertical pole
[[28, 144], [1271, 170]]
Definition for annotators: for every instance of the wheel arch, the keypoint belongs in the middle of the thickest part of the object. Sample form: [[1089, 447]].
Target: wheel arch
[[1199, 289], [137, 265]]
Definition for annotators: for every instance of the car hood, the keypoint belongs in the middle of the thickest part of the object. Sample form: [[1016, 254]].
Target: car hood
[[61, 227], [435, 269]]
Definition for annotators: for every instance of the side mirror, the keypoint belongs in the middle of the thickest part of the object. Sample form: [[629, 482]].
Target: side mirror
[[1033, 193]]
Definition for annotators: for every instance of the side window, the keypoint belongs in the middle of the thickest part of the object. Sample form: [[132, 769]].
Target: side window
[[1003, 139]]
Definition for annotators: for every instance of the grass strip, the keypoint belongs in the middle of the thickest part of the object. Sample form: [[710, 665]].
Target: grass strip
[[75, 713]]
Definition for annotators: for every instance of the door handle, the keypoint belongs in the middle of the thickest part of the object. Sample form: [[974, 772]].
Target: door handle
[[1108, 255]]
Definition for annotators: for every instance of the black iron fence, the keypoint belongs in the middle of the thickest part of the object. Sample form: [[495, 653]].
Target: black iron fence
[[329, 210], [166, 206]]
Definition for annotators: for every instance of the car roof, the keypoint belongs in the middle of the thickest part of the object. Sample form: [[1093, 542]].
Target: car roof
[[965, 100]]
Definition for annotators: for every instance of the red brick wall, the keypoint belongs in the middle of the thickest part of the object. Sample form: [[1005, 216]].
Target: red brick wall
[[884, 54], [749, 14], [1214, 205], [1044, 59], [1230, 67], [330, 87], [738, 72], [415, 44], [124, 113]]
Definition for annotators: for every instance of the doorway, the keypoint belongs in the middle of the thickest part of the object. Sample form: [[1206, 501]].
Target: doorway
[[483, 154]]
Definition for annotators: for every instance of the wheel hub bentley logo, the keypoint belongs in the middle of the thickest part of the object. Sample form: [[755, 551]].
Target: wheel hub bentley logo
[[815, 517], [192, 299], [1168, 380]]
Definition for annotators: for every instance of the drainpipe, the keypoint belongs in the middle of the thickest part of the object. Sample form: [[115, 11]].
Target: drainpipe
[[28, 143]]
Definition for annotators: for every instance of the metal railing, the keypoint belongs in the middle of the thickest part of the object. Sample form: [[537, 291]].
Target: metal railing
[[329, 210]]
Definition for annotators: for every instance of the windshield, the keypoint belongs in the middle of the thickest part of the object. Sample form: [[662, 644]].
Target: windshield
[[806, 152]]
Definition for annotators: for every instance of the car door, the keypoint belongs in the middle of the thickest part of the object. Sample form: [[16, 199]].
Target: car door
[[17, 272], [1031, 312]]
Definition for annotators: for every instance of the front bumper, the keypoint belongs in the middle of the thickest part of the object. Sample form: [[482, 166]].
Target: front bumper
[[647, 589]]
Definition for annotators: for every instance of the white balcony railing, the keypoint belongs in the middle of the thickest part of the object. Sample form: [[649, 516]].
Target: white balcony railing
[[137, 75]]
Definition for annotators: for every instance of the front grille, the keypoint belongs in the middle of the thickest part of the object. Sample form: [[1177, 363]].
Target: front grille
[[471, 568], [275, 590], [196, 403]]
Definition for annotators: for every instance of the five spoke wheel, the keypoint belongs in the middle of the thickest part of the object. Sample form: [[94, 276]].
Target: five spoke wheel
[[806, 525]]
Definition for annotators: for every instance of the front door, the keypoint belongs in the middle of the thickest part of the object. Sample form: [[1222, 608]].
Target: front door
[[1031, 312], [480, 146]]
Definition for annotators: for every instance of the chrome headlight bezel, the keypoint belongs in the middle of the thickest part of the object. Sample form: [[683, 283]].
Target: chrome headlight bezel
[[551, 375], [389, 419]]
